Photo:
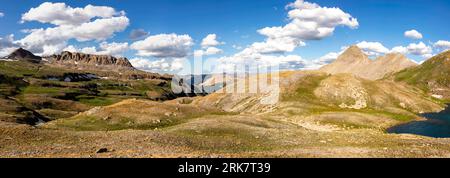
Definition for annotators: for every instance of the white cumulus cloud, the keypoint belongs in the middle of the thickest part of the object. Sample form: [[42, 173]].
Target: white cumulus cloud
[[420, 49], [114, 49], [373, 48], [159, 65], [210, 41], [208, 51], [212, 51], [277, 45], [82, 24], [258, 61], [89, 50], [328, 58], [307, 21], [2, 14], [209, 44], [71, 49], [413, 34], [7, 45], [164, 46], [7, 41], [400, 49], [61, 14], [443, 45]]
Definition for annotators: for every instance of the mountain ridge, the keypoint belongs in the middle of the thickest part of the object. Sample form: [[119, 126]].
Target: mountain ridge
[[355, 62], [76, 58]]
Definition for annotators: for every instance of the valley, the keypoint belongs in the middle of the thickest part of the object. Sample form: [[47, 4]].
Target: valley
[[76, 105]]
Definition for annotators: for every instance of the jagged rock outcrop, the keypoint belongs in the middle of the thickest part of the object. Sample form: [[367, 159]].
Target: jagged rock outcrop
[[103, 66], [90, 60], [23, 55], [354, 61]]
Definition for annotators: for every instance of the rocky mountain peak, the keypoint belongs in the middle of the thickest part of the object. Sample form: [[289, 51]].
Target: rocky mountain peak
[[353, 53], [353, 49], [24, 55]]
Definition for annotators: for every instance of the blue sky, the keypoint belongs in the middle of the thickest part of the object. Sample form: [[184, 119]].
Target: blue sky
[[236, 23]]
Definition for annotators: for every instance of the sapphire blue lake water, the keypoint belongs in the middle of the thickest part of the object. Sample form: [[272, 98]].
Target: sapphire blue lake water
[[437, 125]]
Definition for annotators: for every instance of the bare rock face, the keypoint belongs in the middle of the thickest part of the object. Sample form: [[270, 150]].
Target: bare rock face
[[103, 66], [354, 61], [90, 60], [24, 55]]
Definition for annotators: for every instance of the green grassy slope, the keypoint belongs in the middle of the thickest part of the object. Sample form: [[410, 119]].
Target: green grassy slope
[[431, 75], [41, 88]]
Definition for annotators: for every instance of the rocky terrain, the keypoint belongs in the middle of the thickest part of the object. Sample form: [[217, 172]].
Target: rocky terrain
[[355, 62], [316, 114]]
